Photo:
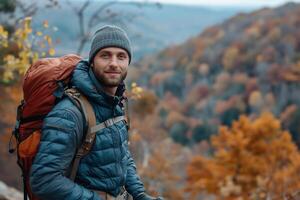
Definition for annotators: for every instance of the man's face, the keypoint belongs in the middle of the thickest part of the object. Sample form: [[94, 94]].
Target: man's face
[[110, 66]]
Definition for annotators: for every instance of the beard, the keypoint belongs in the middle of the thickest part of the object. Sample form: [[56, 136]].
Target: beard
[[111, 82]]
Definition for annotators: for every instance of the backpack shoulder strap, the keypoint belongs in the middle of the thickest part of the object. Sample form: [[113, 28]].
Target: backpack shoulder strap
[[90, 119]]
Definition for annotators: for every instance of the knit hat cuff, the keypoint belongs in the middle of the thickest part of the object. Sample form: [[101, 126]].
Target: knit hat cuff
[[101, 44]]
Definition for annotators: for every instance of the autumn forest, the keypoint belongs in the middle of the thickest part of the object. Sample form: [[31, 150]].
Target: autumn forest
[[216, 117]]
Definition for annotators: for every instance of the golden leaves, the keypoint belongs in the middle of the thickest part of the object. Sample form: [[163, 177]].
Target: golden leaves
[[51, 52], [30, 45], [255, 157], [3, 37], [136, 91]]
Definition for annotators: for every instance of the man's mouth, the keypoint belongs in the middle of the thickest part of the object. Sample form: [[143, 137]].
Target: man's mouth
[[113, 72]]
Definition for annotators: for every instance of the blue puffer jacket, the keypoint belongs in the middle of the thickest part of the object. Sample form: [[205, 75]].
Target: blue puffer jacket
[[108, 166]]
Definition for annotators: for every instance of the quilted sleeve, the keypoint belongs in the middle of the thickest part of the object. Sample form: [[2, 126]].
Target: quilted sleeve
[[133, 184], [61, 134]]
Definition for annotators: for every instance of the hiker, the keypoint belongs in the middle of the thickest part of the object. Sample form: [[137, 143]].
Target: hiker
[[108, 170]]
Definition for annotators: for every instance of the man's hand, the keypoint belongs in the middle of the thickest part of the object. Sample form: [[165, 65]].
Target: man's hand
[[145, 196]]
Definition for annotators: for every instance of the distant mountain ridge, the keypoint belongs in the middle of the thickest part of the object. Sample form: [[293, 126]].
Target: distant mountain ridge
[[152, 30], [246, 65]]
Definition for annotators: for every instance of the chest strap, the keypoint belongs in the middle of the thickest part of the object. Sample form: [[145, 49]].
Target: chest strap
[[107, 123]]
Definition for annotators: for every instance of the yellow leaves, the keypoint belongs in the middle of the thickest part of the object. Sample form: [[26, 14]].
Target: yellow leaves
[[51, 52], [35, 57], [136, 91], [15, 65], [8, 75], [3, 37], [22, 33], [39, 33], [48, 39], [10, 59], [27, 25], [255, 99], [3, 33], [13, 62], [30, 46], [261, 102]]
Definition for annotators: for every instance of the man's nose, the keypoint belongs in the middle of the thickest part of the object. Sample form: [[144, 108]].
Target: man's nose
[[114, 61]]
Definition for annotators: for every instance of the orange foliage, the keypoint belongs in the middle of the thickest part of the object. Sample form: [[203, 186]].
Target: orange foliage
[[174, 117], [145, 104], [159, 78], [196, 94], [10, 97], [251, 160], [160, 175], [170, 102]]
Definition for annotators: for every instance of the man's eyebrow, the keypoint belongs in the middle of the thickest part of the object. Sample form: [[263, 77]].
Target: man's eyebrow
[[119, 52], [104, 51], [122, 52]]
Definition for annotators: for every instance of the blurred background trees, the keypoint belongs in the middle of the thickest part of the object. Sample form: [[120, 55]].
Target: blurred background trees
[[252, 159]]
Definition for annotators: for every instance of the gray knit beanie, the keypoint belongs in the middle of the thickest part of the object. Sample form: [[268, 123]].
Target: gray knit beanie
[[109, 36]]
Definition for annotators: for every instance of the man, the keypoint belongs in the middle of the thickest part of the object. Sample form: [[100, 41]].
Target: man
[[108, 168]]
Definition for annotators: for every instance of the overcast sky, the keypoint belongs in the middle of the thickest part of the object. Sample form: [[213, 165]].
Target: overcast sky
[[257, 3]]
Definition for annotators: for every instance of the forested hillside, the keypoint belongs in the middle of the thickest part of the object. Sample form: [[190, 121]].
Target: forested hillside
[[247, 65]]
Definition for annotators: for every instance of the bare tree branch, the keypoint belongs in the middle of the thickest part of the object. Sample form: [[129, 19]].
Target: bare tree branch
[[27, 10], [80, 14], [95, 15], [100, 15]]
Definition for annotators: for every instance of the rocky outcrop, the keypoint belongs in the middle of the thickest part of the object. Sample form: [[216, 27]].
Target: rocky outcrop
[[9, 193]]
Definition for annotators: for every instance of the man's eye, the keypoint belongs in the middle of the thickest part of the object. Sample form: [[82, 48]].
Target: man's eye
[[122, 57], [104, 56]]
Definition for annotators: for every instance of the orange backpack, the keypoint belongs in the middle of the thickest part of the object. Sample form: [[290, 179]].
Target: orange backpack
[[44, 83]]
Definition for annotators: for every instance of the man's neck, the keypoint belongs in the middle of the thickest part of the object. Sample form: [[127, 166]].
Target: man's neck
[[110, 90]]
